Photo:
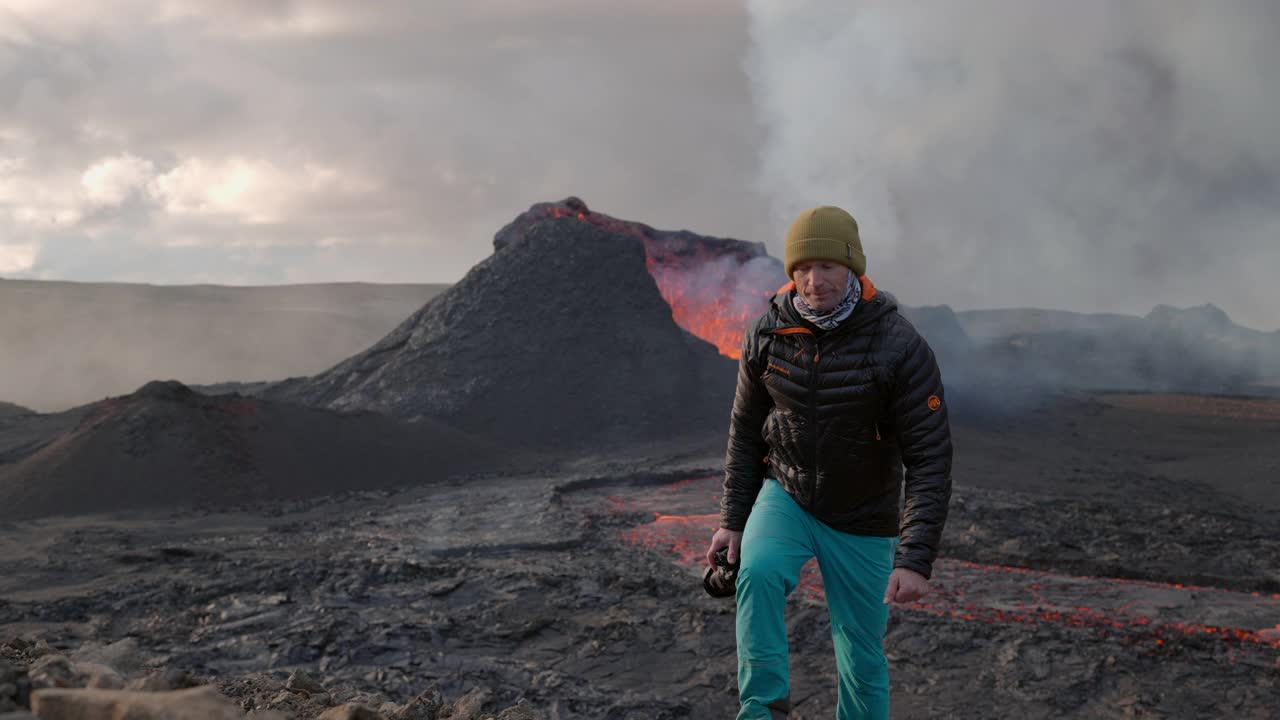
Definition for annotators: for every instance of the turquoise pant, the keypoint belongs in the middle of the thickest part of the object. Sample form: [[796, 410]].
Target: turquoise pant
[[780, 537]]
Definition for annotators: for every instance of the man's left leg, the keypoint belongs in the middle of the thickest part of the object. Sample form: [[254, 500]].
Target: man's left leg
[[855, 573]]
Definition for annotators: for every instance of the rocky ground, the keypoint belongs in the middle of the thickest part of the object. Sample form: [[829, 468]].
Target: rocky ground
[[466, 598]]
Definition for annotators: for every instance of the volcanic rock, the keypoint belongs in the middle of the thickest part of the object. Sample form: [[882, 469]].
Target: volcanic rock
[[123, 655], [351, 711], [522, 710], [427, 705], [163, 681], [102, 677], [561, 339], [202, 703], [54, 671], [300, 681], [15, 687], [468, 706], [169, 446]]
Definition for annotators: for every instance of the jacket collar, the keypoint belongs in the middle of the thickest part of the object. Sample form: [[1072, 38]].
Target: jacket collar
[[873, 305], [868, 288]]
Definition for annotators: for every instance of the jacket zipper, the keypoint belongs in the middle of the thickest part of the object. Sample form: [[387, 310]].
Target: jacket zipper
[[813, 404], [813, 396]]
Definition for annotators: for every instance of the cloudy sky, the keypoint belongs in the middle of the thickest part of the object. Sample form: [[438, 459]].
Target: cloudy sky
[[1090, 156]]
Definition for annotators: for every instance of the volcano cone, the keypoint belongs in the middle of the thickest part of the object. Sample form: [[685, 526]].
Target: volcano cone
[[560, 339]]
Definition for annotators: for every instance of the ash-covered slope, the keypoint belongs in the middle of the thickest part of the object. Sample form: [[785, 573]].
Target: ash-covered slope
[[559, 339], [169, 446]]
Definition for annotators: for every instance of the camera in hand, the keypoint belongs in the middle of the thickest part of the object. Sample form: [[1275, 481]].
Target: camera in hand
[[721, 580]]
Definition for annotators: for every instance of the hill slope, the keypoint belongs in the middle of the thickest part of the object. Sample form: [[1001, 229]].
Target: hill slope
[[169, 446], [558, 339]]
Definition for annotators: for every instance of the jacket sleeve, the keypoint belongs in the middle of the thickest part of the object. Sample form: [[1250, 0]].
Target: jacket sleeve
[[919, 411], [744, 462]]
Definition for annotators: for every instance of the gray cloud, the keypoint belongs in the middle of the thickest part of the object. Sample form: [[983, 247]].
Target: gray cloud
[[1088, 156], [334, 137]]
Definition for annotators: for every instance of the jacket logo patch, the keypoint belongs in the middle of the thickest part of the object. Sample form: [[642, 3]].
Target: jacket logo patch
[[935, 402], [782, 370]]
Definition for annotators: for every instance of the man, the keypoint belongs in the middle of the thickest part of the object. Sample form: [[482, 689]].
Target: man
[[837, 394]]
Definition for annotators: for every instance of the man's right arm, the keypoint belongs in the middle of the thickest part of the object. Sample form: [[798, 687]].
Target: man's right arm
[[745, 459]]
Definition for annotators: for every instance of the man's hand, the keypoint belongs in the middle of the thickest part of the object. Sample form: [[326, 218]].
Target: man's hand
[[905, 586], [731, 539]]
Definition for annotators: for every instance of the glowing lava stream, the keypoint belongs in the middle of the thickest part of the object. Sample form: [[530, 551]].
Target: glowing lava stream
[[713, 293], [1144, 611]]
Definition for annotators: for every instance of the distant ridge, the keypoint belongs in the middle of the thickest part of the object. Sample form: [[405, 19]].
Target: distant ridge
[[1015, 321], [1197, 349], [67, 343]]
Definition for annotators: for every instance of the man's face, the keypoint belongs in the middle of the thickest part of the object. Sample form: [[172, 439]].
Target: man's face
[[821, 283]]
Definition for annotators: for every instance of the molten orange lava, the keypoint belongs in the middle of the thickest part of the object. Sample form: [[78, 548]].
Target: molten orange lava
[[715, 314], [709, 293], [1033, 597]]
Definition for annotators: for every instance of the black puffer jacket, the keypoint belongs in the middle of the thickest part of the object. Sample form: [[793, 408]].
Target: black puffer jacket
[[835, 416]]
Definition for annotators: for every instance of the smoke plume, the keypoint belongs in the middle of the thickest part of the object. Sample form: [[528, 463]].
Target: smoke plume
[[1093, 156]]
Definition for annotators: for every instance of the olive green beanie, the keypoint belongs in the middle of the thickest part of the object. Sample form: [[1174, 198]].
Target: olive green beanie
[[825, 233]]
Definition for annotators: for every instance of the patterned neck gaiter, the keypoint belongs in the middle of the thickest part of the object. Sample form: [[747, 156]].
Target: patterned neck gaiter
[[836, 315]]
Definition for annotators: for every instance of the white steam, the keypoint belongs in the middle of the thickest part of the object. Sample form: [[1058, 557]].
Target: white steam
[[1092, 156]]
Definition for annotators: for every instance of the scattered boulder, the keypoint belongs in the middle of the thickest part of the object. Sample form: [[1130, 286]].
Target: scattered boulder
[[201, 703], [426, 706], [351, 711], [54, 671], [123, 656], [163, 681], [102, 677], [301, 682], [469, 706], [522, 710], [15, 687], [26, 647]]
